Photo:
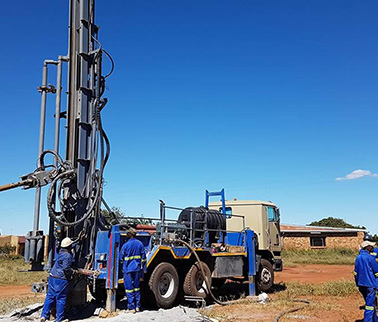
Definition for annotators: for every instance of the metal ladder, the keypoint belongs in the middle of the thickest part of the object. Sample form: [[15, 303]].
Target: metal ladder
[[216, 193], [220, 194]]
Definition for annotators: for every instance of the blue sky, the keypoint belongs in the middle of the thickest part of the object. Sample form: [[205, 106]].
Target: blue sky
[[271, 100]]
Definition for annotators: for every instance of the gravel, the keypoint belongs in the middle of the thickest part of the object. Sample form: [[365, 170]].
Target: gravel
[[32, 313]]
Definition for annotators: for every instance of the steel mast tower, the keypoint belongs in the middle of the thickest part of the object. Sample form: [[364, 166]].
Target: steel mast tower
[[75, 182]]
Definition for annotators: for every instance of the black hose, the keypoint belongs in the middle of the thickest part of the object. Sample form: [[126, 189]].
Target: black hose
[[208, 286], [281, 314]]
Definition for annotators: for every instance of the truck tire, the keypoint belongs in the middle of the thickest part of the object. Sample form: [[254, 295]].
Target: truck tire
[[164, 284], [265, 276], [194, 284]]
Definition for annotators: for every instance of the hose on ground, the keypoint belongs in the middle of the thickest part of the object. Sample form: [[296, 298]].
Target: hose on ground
[[281, 314], [208, 286]]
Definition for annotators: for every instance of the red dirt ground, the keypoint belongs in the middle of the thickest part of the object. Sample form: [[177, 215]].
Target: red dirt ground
[[15, 291], [314, 273], [324, 309]]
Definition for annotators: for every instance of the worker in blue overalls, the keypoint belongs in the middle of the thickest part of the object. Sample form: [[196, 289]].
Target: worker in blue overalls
[[58, 282], [365, 274], [134, 263]]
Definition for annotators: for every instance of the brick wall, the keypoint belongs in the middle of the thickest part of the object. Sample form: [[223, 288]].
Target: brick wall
[[12, 241], [332, 241]]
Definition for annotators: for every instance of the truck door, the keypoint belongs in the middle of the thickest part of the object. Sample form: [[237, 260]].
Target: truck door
[[274, 228]]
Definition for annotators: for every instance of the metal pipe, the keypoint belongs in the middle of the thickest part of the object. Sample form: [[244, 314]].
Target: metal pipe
[[57, 105], [41, 144], [61, 59], [15, 185], [42, 126]]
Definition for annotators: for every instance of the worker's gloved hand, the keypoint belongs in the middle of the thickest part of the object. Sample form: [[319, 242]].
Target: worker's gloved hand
[[69, 273]]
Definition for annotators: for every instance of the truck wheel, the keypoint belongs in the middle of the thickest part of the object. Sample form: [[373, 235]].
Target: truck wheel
[[265, 276], [164, 284], [194, 284]]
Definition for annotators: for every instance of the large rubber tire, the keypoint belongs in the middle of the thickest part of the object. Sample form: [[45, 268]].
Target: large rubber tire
[[164, 284], [194, 284], [265, 276]]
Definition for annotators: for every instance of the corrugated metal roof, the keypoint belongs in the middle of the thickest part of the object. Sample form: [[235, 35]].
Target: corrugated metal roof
[[313, 229]]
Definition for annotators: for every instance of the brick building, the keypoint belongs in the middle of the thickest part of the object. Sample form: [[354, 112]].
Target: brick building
[[18, 242], [313, 237]]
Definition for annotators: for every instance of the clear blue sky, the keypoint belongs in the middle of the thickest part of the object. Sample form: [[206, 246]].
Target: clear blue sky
[[271, 100]]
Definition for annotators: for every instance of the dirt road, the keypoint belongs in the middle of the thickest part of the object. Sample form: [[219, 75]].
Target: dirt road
[[14, 291], [314, 273]]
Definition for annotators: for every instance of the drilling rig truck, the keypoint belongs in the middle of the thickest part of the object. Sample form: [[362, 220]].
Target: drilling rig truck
[[201, 247]]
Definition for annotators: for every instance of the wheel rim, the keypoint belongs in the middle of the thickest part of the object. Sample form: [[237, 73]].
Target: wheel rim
[[200, 283], [265, 276], [166, 285]]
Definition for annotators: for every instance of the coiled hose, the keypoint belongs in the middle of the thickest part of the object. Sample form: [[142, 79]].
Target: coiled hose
[[208, 286], [281, 314]]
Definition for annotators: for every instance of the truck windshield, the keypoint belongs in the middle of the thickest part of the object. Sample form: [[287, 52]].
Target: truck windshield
[[273, 214]]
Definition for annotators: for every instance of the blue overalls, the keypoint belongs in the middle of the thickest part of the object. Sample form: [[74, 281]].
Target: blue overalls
[[58, 286], [134, 261], [365, 274], [375, 253]]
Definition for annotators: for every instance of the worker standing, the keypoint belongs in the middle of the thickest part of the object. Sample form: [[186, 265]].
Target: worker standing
[[58, 282], [365, 274], [134, 262]]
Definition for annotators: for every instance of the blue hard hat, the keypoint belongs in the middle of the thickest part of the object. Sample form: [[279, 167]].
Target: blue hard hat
[[368, 237]]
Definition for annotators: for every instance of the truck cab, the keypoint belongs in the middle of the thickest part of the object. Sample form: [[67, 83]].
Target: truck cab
[[263, 217]]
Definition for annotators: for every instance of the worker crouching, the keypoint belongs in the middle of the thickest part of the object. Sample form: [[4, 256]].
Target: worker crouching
[[134, 263], [365, 274], [58, 282]]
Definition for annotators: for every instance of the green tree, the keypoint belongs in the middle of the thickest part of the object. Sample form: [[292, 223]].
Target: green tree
[[334, 222], [116, 215]]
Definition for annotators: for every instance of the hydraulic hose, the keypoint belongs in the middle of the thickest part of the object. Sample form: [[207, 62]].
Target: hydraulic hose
[[281, 314], [208, 286]]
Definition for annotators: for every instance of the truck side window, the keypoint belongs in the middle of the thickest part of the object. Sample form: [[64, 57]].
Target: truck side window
[[271, 214], [228, 211]]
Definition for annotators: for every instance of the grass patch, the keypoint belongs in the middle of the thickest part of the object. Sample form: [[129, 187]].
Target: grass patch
[[10, 304], [10, 268], [326, 298], [336, 256], [337, 288]]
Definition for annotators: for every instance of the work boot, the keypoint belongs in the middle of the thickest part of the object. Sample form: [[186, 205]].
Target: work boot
[[129, 311], [137, 310]]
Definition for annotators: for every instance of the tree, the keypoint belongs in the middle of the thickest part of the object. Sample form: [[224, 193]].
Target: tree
[[334, 222], [118, 216], [115, 215]]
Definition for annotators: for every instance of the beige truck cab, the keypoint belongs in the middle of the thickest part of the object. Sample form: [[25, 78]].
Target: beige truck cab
[[263, 217]]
